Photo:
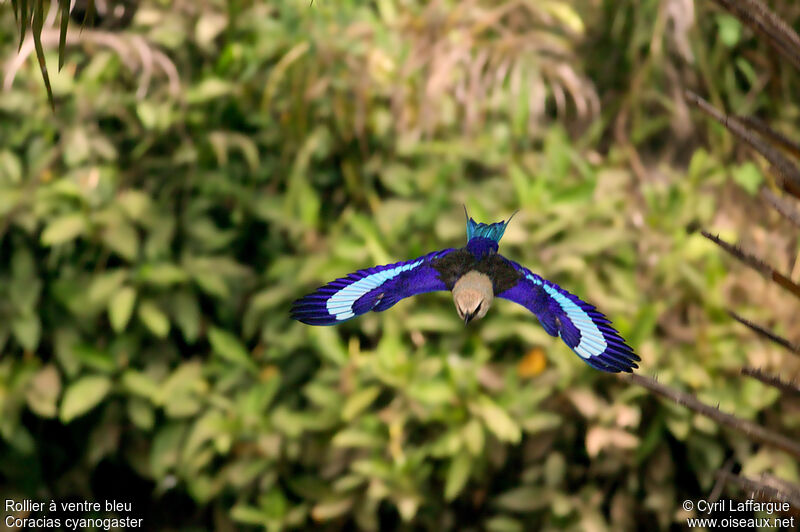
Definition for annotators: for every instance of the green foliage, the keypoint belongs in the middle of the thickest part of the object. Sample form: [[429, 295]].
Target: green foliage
[[151, 243]]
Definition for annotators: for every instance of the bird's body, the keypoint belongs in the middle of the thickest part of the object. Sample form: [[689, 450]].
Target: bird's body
[[475, 274]]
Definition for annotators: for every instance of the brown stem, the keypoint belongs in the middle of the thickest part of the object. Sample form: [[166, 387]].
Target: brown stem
[[782, 168], [776, 137], [778, 34], [780, 340], [783, 206], [771, 380], [754, 262], [748, 428]]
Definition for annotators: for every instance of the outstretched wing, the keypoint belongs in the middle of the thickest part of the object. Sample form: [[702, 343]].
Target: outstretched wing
[[582, 327], [376, 288]]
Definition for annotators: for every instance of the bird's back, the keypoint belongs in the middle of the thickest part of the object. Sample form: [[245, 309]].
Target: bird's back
[[458, 263]]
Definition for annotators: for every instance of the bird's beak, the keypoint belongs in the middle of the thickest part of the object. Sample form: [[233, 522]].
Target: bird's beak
[[467, 318]]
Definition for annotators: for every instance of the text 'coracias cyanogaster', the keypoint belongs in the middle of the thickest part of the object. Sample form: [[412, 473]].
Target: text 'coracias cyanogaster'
[[475, 274]]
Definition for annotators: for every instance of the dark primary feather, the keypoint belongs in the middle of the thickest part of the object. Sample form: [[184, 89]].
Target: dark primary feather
[[582, 327]]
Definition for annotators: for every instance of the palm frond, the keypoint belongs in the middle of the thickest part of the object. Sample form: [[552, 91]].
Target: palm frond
[[31, 22]]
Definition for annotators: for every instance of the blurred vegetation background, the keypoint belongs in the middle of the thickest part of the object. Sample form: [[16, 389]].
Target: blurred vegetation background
[[208, 162]]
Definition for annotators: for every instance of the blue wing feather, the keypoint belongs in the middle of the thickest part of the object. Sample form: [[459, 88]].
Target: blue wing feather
[[376, 288], [582, 327]]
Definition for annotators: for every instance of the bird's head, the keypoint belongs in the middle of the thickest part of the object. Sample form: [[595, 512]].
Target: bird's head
[[473, 295]]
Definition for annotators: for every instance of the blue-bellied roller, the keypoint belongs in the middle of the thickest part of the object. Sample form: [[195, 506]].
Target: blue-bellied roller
[[475, 274]]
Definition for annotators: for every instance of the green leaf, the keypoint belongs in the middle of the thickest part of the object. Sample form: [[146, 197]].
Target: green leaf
[[358, 438], [156, 116], [83, 395], [212, 284], [166, 449], [359, 401], [248, 515], [106, 284], [122, 238], [474, 438], [274, 503], [24, 292], [328, 344], [141, 384], [153, 318], [257, 399], [230, 348], [141, 413], [730, 29], [10, 167], [23, 16], [498, 421], [27, 330], [21, 440], [457, 475], [162, 274], [432, 392], [135, 203], [524, 499], [120, 308], [749, 177], [186, 314], [43, 391], [62, 36], [331, 509], [540, 421], [36, 30], [64, 229], [209, 426], [208, 89], [93, 357], [565, 14]]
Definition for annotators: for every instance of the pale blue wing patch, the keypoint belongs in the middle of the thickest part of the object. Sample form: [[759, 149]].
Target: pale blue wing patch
[[587, 331], [582, 327], [340, 304], [591, 341], [376, 288]]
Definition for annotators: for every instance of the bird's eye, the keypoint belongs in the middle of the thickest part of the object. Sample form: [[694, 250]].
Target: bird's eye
[[478, 307]]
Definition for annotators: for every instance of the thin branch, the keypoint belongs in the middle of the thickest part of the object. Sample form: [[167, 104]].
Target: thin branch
[[782, 168], [767, 489], [783, 342], [754, 262], [790, 388], [783, 206], [778, 34], [751, 260], [776, 137], [748, 428]]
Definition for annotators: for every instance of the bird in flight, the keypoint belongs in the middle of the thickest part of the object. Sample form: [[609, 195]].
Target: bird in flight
[[475, 274]]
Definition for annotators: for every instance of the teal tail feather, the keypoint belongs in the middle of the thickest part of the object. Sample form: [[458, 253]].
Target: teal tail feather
[[481, 230]]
